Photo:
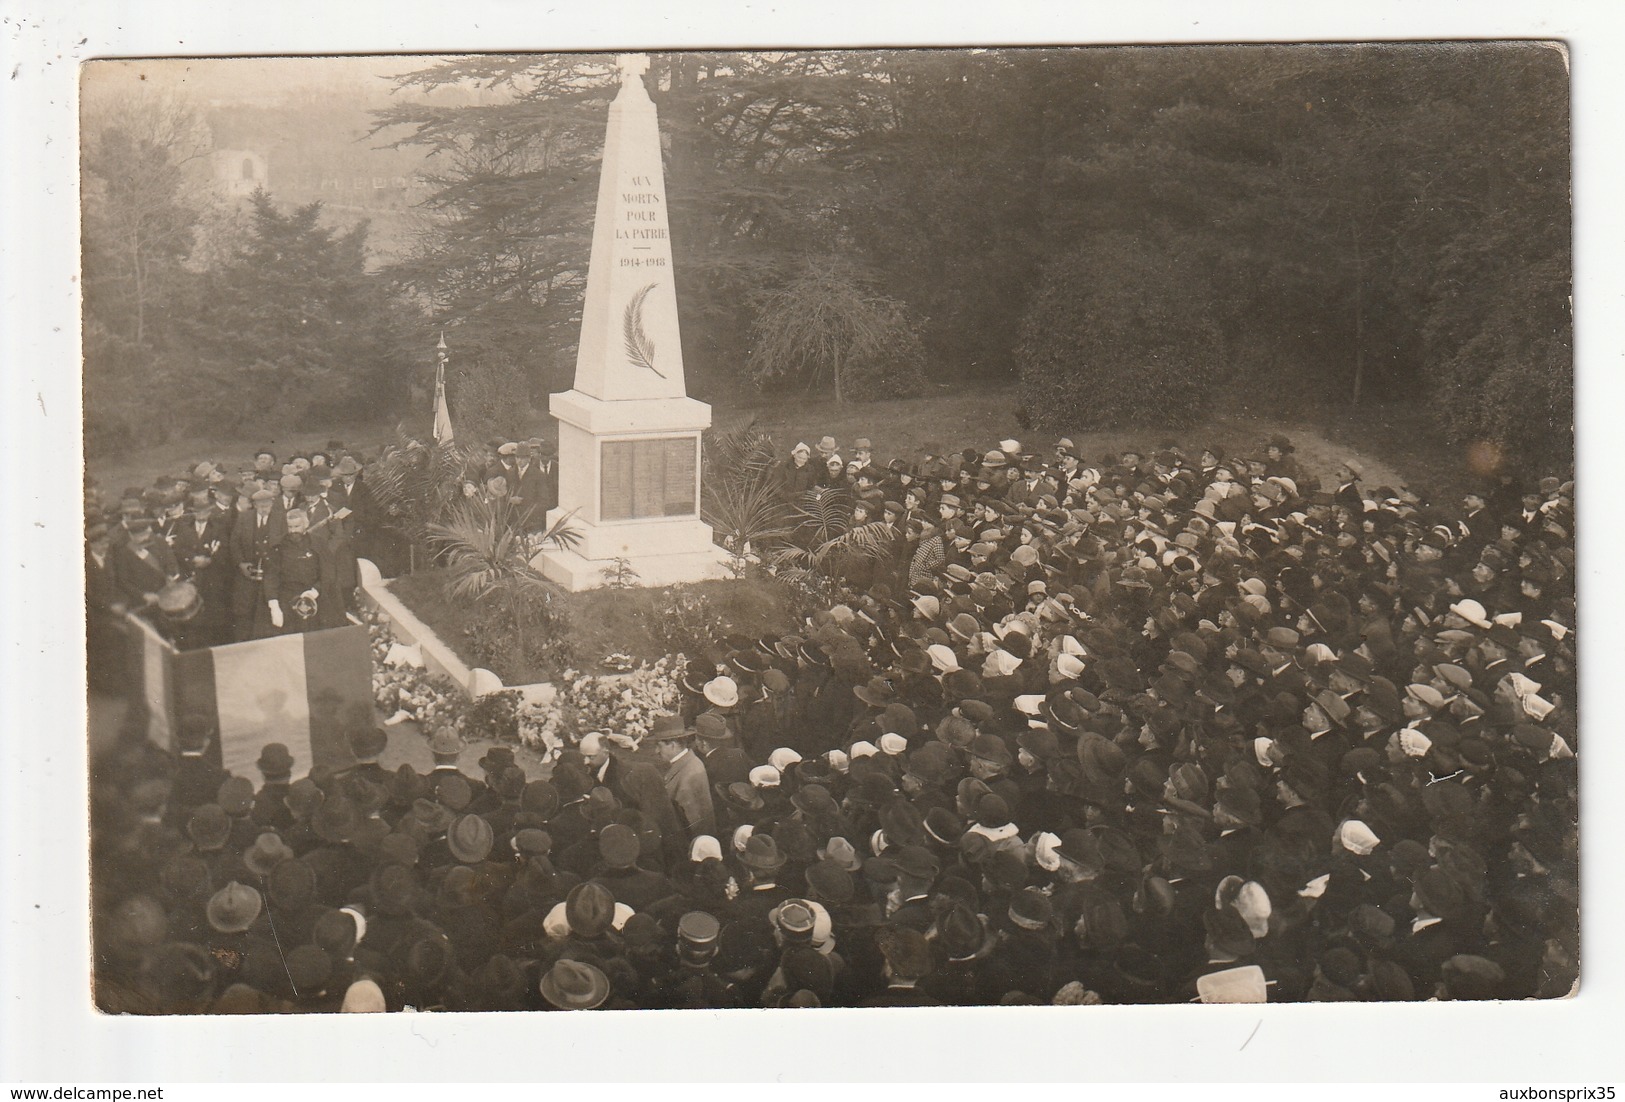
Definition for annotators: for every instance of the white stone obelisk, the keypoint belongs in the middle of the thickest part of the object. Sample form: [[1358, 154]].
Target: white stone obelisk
[[629, 434]]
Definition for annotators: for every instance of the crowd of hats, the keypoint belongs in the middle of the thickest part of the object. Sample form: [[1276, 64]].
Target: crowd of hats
[[1154, 724], [208, 485], [199, 581]]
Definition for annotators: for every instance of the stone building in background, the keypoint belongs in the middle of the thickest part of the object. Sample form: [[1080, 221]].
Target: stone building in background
[[237, 172]]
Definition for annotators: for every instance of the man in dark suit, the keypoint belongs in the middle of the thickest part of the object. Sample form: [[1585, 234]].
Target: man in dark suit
[[349, 490], [1528, 520], [508, 460], [104, 612], [1031, 486], [292, 494], [724, 761], [330, 526], [601, 762], [144, 565], [527, 488], [301, 586], [1476, 527], [253, 538], [1348, 487], [201, 551]]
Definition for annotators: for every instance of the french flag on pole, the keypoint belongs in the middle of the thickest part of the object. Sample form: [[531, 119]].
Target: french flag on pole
[[305, 691]]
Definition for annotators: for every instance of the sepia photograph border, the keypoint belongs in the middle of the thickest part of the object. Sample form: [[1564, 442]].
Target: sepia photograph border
[[49, 1029]]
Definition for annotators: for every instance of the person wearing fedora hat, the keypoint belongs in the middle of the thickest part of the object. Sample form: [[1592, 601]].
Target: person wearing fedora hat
[[270, 809], [620, 872], [349, 487], [200, 544], [574, 985], [725, 762], [687, 784], [761, 860], [1339, 699], [446, 746], [367, 742], [143, 564]]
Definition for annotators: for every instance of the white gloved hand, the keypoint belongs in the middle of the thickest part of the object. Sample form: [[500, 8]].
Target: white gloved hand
[[310, 593], [276, 613]]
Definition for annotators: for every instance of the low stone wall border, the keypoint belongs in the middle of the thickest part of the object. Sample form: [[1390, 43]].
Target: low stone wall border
[[438, 658]]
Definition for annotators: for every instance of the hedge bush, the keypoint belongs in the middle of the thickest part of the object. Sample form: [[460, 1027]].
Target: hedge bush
[[1119, 333]]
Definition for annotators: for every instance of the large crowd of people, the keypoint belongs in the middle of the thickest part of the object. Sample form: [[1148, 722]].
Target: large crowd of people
[[1162, 727], [208, 558]]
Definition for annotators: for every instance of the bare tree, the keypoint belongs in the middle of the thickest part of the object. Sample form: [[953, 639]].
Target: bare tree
[[143, 197], [825, 324]]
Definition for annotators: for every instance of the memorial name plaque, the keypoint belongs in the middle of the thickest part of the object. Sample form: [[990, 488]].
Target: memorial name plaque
[[648, 478]]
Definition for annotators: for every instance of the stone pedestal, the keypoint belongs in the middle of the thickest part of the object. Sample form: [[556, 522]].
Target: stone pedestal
[[629, 435], [663, 549]]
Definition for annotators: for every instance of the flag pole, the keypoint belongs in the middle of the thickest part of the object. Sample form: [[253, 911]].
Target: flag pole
[[441, 414]]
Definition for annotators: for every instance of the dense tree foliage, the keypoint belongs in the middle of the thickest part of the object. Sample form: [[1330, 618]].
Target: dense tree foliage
[[1119, 332], [319, 337], [205, 315], [1362, 222], [1324, 226]]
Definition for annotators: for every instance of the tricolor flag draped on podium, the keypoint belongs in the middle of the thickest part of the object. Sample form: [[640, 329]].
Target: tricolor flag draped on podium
[[305, 691]]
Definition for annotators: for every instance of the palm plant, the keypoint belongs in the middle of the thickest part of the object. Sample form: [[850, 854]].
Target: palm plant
[[826, 537], [417, 484], [741, 501], [746, 453], [749, 516], [488, 558]]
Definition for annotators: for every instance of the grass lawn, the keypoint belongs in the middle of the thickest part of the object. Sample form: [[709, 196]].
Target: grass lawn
[[604, 621], [140, 466]]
